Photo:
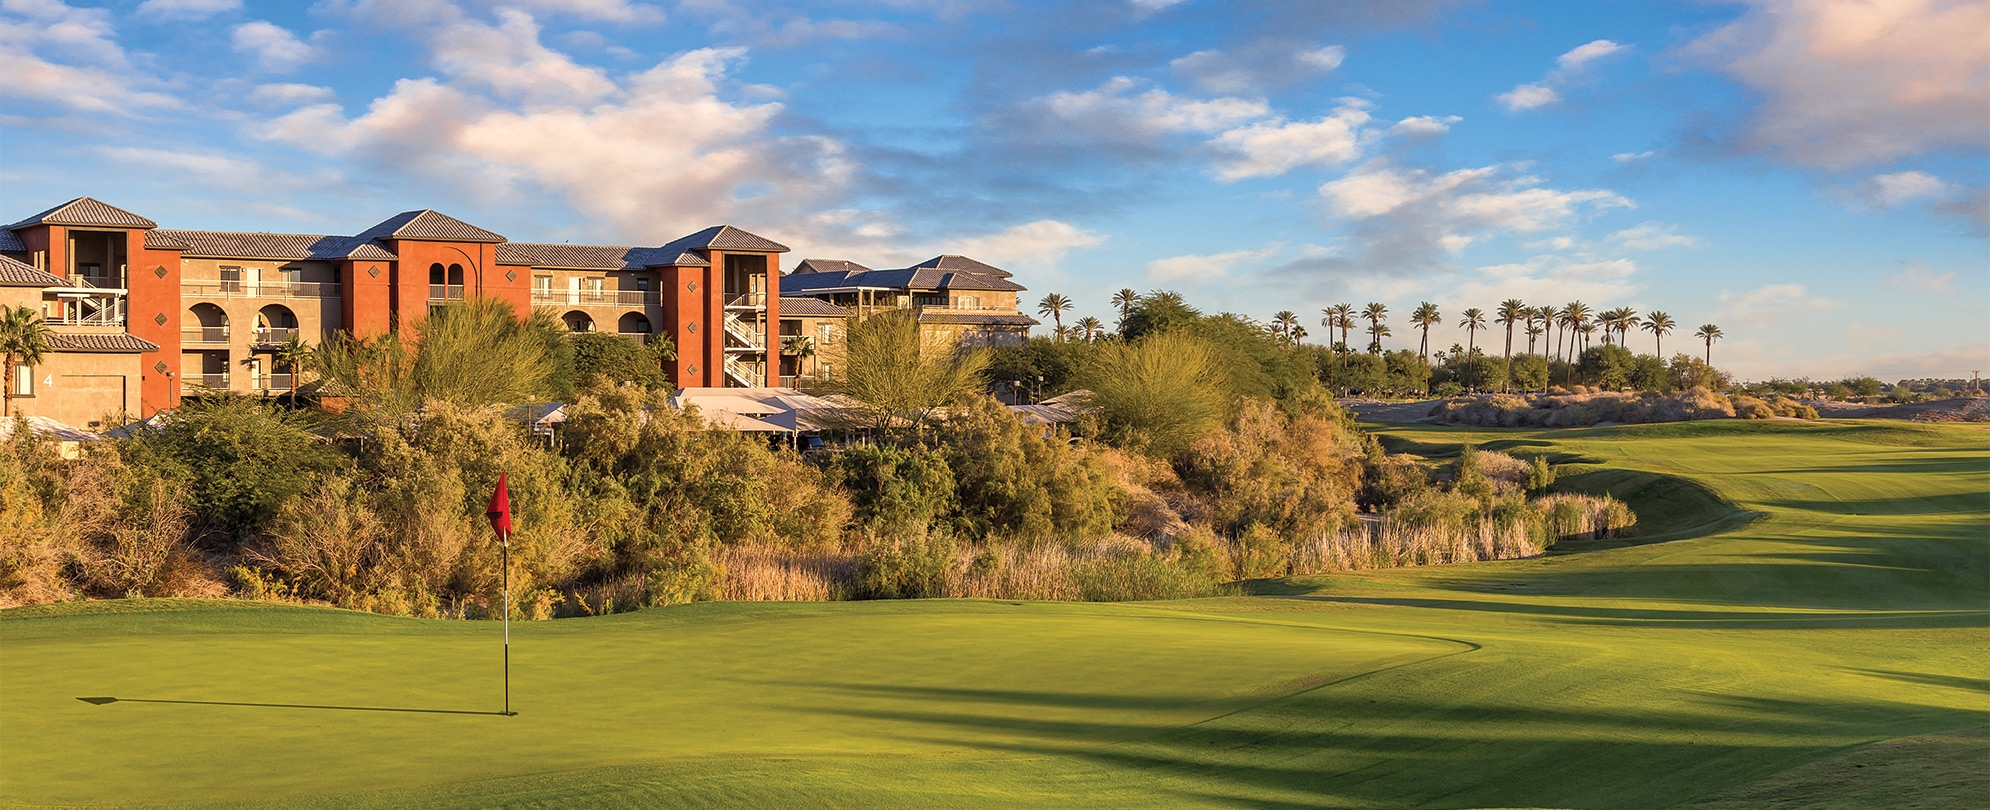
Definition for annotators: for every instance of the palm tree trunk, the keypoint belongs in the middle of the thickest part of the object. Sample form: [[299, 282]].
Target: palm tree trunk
[[8, 408]]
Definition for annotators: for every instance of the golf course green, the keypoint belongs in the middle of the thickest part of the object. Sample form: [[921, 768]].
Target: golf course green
[[1802, 619]]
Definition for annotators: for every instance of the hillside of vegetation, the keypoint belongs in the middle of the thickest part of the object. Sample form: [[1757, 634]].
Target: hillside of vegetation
[[1801, 622], [1212, 455]]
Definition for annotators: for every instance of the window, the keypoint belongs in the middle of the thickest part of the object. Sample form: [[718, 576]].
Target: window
[[643, 283], [24, 380], [824, 333], [967, 302], [231, 279]]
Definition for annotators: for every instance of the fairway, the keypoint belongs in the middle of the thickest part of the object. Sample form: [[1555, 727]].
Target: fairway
[[1800, 591]]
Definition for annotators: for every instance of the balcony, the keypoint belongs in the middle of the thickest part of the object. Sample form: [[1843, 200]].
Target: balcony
[[204, 334], [595, 298], [445, 292], [259, 289], [757, 300], [273, 336], [274, 382], [639, 337], [212, 382]]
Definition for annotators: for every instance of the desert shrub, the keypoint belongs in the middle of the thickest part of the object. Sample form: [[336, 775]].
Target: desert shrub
[[474, 353], [1159, 393], [1539, 475], [1529, 372], [916, 566], [605, 358], [1609, 367], [238, 458], [894, 489], [1389, 479], [1018, 480], [1747, 407], [33, 543], [1582, 407], [899, 375], [1689, 372], [1292, 475], [1130, 575]]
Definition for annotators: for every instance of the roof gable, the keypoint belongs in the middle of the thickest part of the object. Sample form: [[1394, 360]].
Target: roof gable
[[727, 237], [16, 273], [86, 211], [960, 264], [428, 225], [808, 266]]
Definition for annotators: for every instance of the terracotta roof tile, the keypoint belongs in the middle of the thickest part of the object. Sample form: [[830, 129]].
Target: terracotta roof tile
[[292, 246], [808, 266], [960, 264], [119, 342], [16, 273], [86, 211], [428, 224], [811, 308], [159, 240], [727, 237]]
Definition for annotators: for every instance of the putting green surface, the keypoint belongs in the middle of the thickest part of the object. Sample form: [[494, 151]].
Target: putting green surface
[[1800, 593]]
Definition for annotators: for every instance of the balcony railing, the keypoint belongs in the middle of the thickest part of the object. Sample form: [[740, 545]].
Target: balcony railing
[[259, 289], [595, 298], [274, 336], [445, 292], [639, 337], [110, 319], [756, 300], [273, 382], [204, 334], [217, 382]]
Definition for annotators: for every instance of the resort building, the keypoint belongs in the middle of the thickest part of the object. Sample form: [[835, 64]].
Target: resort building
[[143, 316]]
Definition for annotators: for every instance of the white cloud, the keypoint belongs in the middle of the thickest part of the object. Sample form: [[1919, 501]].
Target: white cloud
[[1654, 236], [1899, 188], [1545, 278], [1205, 267], [185, 9], [276, 49], [1568, 68], [53, 53], [615, 11], [1425, 125], [1462, 200], [1253, 68], [1851, 83], [1115, 111], [509, 60], [1154, 5], [287, 95], [1275, 146], [208, 169], [1040, 243], [1581, 55], [1918, 277], [1630, 157], [1772, 303]]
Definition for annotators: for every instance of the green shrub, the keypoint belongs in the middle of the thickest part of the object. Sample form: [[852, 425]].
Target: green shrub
[[919, 566]]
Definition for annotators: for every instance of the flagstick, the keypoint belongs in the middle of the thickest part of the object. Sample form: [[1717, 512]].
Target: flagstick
[[504, 542]]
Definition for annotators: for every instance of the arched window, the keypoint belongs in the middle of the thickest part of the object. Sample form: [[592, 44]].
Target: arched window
[[275, 324], [633, 323], [437, 275], [456, 275]]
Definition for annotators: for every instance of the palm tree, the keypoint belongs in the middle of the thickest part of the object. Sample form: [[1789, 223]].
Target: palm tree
[[23, 342], [294, 354], [1658, 324], [1425, 317], [1298, 334], [802, 347], [1283, 323], [1339, 316], [1089, 328], [1473, 321], [1060, 334], [1576, 315], [1124, 300], [1375, 314], [1534, 330], [1709, 333], [1054, 306], [1547, 316], [1511, 311]]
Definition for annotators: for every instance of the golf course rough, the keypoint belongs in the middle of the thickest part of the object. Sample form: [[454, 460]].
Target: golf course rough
[[1800, 595]]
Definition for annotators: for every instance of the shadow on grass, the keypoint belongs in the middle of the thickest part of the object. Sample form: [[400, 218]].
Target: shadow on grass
[[100, 701]]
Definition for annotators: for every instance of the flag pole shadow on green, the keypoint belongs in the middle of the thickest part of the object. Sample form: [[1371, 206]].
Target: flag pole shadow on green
[[100, 701]]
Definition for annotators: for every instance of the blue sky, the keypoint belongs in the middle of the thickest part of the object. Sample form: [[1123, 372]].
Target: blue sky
[[1809, 174]]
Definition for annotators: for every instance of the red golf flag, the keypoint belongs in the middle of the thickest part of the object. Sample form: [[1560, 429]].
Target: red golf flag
[[500, 510]]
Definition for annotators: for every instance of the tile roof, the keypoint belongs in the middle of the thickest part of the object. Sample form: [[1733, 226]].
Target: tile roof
[[16, 273], [595, 257], [906, 279], [828, 266], [86, 211], [118, 342], [9, 243], [726, 237], [982, 320], [246, 245], [811, 308], [960, 264], [428, 224]]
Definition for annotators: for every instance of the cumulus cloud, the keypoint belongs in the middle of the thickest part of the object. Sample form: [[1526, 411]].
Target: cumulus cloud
[[1654, 236], [1257, 66], [185, 9], [1899, 188], [615, 11], [1205, 267], [287, 94], [1275, 146], [1569, 67], [275, 48], [1631, 157], [51, 52], [1425, 125], [1031, 244], [1845, 84], [1770, 303], [1119, 111], [1919, 278], [1457, 203]]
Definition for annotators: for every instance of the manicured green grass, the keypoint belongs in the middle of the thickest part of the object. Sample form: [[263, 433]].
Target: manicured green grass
[[1799, 593]]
